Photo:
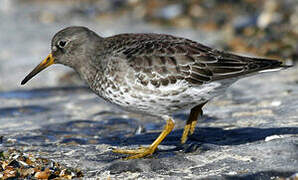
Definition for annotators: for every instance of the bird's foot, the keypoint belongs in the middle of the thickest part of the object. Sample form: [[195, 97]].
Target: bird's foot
[[146, 151], [136, 153]]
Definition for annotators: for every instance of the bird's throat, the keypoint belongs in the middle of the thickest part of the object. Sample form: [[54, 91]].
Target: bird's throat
[[88, 73]]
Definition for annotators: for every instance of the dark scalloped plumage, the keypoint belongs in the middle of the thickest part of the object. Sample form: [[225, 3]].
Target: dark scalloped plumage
[[175, 58]]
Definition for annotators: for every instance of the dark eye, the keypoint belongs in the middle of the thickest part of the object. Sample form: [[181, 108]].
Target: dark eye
[[61, 44]]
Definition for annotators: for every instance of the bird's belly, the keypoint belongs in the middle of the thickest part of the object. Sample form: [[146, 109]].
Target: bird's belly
[[159, 101]]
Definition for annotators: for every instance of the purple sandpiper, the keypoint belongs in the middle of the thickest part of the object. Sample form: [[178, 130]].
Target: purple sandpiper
[[153, 74]]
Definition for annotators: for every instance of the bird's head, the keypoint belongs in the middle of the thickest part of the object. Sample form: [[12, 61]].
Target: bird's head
[[69, 47]]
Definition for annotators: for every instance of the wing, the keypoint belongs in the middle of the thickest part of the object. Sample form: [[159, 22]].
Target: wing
[[163, 59]]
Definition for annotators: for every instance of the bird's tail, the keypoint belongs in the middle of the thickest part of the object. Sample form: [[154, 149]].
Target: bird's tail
[[271, 65], [233, 66]]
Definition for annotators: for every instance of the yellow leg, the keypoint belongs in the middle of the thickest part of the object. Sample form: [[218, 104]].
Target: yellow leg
[[145, 151], [190, 125]]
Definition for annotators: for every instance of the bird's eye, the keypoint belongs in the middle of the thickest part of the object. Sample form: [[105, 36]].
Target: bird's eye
[[61, 44]]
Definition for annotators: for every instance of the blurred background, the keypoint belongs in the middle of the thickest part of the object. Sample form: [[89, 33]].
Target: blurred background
[[252, 27]]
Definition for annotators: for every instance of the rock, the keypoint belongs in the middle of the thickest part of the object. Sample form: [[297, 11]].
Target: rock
[[249, 132]]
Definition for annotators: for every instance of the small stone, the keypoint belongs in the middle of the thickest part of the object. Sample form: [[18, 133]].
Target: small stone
[[182, 22], [196, 10], [11, 140], [270, 14], [66, 173], [269, 138], [170, 11], [23, 163], [27, 172], [9, 172], [14, 163], [275, 103], [43, 174]]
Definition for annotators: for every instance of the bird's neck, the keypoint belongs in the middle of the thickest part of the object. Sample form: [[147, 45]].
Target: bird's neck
[[87, 72]]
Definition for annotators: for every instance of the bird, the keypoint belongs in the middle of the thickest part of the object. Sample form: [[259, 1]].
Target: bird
[[151, 74]]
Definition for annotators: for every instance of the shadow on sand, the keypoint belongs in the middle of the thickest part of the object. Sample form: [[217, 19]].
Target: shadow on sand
[[121, 133]]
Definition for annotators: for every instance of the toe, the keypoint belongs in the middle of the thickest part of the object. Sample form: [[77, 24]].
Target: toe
[[127, 151], [145, 153], [135, 153]]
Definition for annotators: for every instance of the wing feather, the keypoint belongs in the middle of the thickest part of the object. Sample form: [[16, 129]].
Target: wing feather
[[164, 59]]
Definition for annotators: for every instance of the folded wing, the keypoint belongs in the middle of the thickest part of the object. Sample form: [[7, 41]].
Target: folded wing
[[162, 59]]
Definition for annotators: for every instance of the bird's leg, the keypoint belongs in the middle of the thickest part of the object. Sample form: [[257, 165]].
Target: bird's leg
[[190, 125], [145, 151]]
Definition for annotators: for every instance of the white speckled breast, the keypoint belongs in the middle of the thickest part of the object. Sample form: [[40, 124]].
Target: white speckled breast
[[134, 96]]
